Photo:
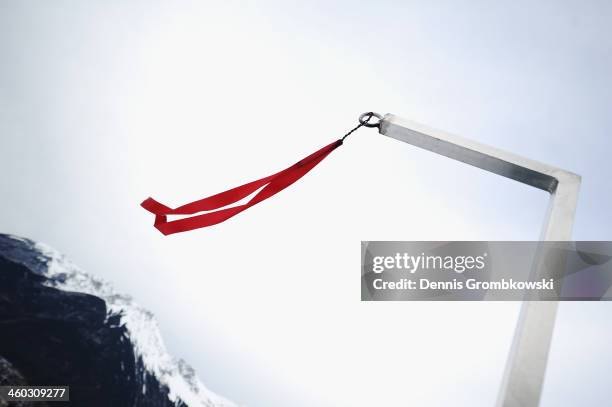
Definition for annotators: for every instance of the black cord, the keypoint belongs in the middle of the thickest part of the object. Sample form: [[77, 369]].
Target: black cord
[[362, 122]]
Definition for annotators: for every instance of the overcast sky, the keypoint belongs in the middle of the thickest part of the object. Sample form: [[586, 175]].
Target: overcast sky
[[105, 103]]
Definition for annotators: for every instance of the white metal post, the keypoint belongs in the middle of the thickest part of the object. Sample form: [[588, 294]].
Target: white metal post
[[524, 374]]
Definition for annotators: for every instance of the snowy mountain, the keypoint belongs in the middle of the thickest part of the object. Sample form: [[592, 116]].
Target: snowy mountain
[[28, 269]]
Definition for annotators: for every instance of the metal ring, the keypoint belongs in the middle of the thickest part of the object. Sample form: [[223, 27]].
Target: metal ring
[[365, 122]]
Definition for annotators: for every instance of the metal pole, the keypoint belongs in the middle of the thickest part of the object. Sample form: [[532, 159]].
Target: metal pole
[[526, 366]]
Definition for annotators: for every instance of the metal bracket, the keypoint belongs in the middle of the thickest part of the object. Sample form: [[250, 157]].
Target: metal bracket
[[526, 366]]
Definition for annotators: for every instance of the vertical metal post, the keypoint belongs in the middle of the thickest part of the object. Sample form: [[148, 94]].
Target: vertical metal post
[[524, 374], [526, 367]]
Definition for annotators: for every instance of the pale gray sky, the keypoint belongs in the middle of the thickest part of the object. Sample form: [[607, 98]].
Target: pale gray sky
[[105, 103]]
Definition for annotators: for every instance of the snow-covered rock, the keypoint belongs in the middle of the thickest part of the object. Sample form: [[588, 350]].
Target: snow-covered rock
[[154, 377]]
